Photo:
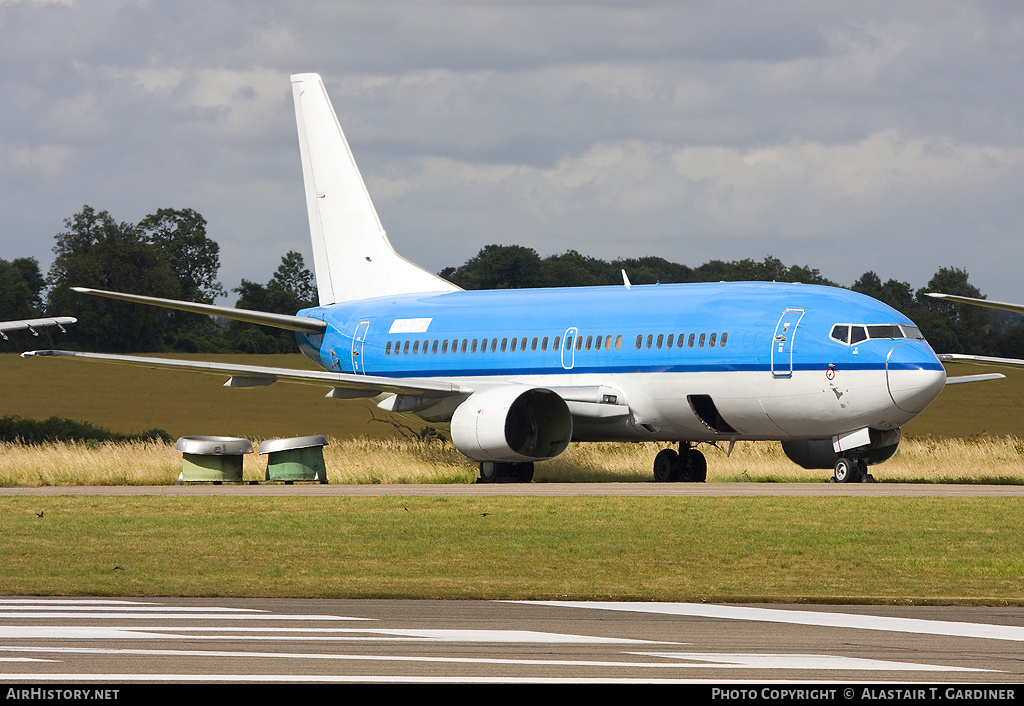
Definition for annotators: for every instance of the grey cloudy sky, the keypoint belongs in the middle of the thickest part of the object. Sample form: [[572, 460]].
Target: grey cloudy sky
[[848, 136]]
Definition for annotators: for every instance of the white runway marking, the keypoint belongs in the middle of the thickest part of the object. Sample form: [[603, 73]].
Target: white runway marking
[[794, 661], [671, 660], [70, 601], [134, 608], [182, 614], [49, 632], [326, 679], [265, 629], [806, 617]]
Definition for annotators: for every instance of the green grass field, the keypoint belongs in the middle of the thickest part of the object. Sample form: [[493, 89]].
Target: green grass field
[[881, 550]]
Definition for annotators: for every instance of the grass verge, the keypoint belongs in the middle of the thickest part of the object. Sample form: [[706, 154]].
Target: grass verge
[[364, 460], [840, 549]]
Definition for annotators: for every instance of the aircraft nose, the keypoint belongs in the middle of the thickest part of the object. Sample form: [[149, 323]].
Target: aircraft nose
[[914, 375]]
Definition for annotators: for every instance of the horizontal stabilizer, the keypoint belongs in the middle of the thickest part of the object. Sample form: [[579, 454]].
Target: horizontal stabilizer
[[284, 321]]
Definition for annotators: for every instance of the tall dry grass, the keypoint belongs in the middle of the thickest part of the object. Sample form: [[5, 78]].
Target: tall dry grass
[[364, 460]]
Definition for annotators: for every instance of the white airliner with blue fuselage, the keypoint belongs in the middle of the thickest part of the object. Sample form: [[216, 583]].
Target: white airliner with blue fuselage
[[519, 374]]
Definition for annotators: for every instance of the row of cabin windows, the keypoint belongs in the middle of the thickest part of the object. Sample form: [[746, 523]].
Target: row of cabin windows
[[682, 341], [472, 345]]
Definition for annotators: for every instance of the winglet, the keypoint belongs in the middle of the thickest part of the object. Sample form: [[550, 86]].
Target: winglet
[[351, 253]]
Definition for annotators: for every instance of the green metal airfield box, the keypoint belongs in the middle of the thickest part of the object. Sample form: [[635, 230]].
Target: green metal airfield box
[[301, 458], [216, 459]]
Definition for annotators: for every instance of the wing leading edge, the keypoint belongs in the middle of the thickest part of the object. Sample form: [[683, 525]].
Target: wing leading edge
[[343, 384], [979, 359]]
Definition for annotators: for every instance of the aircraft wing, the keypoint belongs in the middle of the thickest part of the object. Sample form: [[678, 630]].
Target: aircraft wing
[[284, 321], [32, 324], [1016, 308], [978, 359], [345, 385]]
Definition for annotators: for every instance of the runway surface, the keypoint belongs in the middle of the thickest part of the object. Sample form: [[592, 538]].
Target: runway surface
[[547, 489], [194, 640]]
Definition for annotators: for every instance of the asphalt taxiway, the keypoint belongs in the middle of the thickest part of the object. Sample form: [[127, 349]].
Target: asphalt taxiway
[[235, 640]]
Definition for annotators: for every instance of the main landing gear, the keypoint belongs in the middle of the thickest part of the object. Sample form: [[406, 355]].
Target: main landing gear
[[687, 466], [493, 472], [852, 470]]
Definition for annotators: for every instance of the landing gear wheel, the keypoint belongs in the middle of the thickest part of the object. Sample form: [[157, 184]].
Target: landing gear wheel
[[849, 470], [694, 467], [521, 472], [489, 472], [494, 472], [667, 466]]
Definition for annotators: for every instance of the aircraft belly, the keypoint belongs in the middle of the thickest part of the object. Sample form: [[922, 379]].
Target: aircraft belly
[[810, 404]]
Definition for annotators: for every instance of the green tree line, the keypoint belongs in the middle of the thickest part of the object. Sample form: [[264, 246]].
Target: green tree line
[[169, 254], [950, 328]]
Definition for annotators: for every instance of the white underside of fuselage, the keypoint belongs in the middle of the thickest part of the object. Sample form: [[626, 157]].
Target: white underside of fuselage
[[754, 405]]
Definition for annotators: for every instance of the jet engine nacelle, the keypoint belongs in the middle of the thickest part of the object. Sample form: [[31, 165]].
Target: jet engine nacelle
[[512, 424], [820, 453]]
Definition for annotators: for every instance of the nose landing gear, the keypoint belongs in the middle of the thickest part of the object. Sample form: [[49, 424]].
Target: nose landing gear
[[852, 470]]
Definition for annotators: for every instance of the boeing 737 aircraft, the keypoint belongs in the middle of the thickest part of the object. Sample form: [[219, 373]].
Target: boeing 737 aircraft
[[519, 374]]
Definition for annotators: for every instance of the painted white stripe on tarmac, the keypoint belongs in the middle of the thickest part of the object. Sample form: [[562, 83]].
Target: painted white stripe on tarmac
[[807, 617], [742, 660], [183, 614], [134, 607], [671, 660], [57, 632], [72, 601], [321, 679]]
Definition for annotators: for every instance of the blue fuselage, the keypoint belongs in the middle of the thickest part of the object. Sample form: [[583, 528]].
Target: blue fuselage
[[768, 354]]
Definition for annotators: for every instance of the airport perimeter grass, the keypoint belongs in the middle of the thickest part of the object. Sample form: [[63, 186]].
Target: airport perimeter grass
[[835, 549], [387, 461]]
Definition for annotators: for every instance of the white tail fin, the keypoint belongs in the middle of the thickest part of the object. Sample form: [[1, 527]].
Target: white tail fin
[[352, 256]]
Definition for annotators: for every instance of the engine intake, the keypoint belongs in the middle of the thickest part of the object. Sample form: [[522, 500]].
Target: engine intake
[[512, 423]]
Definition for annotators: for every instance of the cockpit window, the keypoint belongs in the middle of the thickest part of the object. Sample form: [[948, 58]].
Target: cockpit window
[[889, 331], [852, 334]]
